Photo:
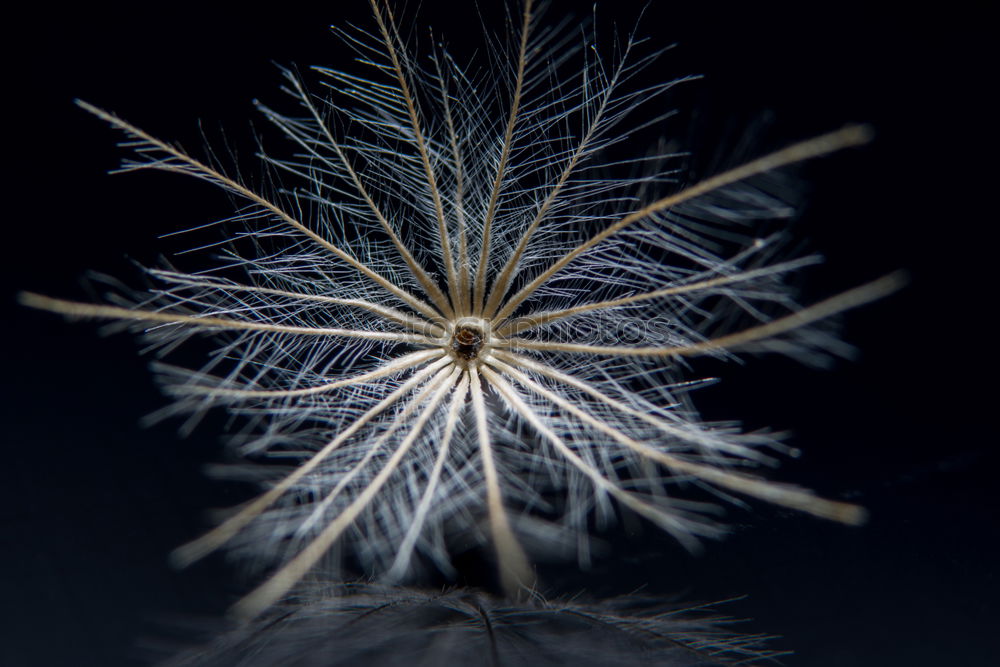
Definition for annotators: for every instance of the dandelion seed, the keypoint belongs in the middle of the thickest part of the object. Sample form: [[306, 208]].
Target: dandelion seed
[[440, 282]]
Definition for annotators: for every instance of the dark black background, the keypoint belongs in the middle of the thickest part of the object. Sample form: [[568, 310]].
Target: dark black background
[[94, 502]]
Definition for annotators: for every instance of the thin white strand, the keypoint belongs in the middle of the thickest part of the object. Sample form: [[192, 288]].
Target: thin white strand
[[515, 572], [77, 309], [682, 530], [805, 150], [206, 173], [401, 563], [274, 588], [779, 494], [372, 449], [209, 542], [391, 368]]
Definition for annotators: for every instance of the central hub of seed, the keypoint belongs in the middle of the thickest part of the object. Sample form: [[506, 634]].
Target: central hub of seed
[[468, 338]]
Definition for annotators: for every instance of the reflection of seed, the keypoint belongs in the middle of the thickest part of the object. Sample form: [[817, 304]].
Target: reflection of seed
[[373, 625]]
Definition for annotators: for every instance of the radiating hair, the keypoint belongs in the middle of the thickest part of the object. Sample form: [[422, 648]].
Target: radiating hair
[[463, 325]]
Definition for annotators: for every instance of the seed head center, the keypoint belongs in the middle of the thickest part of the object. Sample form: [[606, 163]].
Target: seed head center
[[468, 338]]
